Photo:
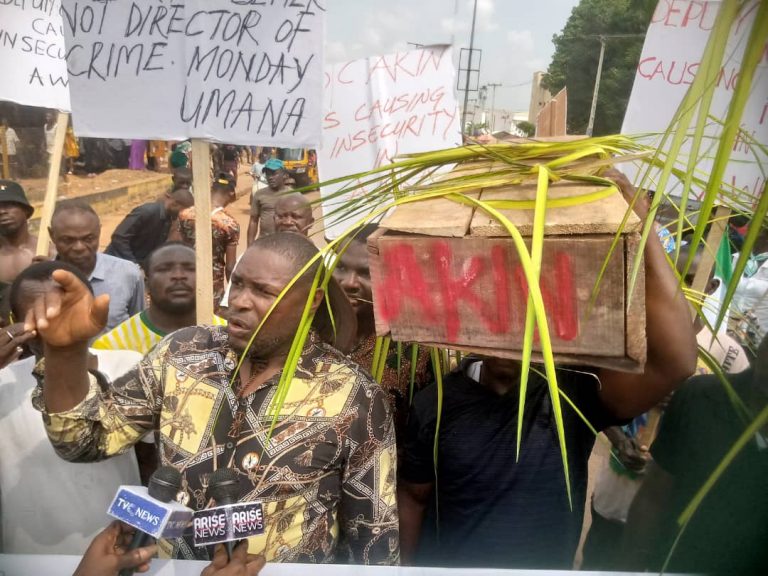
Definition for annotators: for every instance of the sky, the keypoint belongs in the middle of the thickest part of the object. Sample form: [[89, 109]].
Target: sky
[[514, 35]]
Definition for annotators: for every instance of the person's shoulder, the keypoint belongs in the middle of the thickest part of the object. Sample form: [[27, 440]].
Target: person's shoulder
[[199, 332], [703, 399], [149, 208], [359, 380], [455, 385], [193, 339], [120, 264], [226, 218], [187, 214], [104, 342], [707, 389]]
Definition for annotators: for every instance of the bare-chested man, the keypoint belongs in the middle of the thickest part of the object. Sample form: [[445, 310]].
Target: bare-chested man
[[17, 245]]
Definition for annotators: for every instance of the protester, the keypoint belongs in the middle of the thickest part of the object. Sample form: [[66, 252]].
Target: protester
[[500, 510], [157, 151], [181, 177], [225, 230], [49, 505], [180, 155], [256, 172], [71, 150], [229, 160], [328, 474], [12, 142], [293, 213], [728, 531], [17, 245], [620, 478], [108, 553], [721, 348], [49, 128], [147, 226], [353, 273], [137, 154], [262, 220], [171, 286], [75, 230]]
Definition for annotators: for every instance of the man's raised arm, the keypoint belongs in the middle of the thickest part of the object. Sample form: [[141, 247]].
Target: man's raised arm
[[669, 331], [85, 418]]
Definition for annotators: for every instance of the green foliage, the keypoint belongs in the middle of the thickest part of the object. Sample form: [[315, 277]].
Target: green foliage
[[527, 127], [577, 50]]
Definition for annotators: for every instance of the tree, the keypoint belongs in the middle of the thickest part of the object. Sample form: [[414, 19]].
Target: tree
[[577, 50], [526, 127]]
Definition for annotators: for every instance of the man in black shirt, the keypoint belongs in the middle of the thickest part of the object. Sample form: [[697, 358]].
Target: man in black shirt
[[484, 507], [147, 226], [728, 534]]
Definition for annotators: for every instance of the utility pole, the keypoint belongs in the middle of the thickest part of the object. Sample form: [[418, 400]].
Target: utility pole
[[602, 38], [469, 69], [591, 123], [493, 105]]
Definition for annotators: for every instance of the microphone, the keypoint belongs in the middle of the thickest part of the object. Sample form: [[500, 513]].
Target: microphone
[[152, 510], [230, 520]]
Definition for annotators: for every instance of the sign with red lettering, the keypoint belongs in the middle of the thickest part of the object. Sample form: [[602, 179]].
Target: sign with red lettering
[[471, 293], [32, 54], [376, 108], [671, 56], [243, 72]]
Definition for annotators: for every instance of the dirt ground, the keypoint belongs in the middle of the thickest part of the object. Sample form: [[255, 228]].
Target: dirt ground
[[74, 186], [240, 210]]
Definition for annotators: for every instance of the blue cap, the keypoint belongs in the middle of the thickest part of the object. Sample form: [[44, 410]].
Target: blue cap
[[274, 164]]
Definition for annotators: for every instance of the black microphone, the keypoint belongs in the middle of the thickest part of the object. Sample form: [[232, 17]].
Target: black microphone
[[164, 485], [224, 488]]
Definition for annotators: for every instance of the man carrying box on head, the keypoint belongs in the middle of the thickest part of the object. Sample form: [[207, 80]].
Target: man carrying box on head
[[500, 511]]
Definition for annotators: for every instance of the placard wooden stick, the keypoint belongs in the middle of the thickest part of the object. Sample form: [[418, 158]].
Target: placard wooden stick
[[52, 188], [201, 185]]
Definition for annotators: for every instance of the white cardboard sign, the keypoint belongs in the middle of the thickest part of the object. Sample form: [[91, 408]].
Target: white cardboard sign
[[240, 71], [673, 48], [376, 108], [32, 54]]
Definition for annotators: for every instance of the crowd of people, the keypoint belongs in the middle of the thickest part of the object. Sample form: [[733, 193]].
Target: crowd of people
[[106, 376]]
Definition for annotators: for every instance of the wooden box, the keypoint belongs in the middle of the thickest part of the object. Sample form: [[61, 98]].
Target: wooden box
[[449, 274]]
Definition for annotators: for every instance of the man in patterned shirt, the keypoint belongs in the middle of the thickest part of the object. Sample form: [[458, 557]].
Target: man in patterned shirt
[[225, 230], [327, 473]]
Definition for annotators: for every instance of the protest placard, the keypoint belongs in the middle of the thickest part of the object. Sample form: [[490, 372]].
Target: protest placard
[[240, 71], [376, 108], [671, 56], [32, 54]]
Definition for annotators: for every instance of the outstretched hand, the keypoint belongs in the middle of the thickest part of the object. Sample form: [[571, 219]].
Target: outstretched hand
[[65, 313], [241, 563], [107, 555]]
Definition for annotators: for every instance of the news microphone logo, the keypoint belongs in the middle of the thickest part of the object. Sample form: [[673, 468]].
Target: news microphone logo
[[230, 520], [228, 523], [151, 510]]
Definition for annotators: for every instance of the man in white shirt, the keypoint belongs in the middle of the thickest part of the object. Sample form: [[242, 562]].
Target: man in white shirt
[[49, 505], [12, 141]]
